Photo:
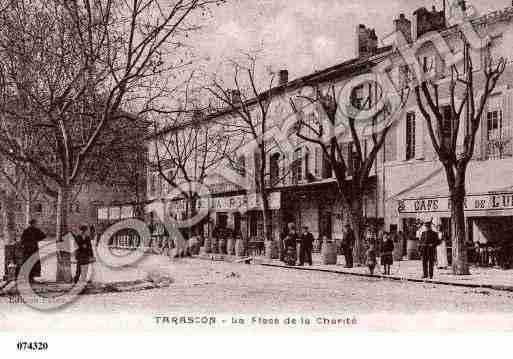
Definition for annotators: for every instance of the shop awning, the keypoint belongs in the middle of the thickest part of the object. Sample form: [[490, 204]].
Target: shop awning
[[489, 186]]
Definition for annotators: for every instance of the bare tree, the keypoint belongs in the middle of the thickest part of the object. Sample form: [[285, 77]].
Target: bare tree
[[464, 106], [248, 103], [351, 161], [186, 150], [72, 67]]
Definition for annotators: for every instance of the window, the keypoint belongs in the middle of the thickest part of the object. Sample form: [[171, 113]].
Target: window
[[352, 158], [410, 135], [317, 159], [405, 76], [297, 166], [359, 97], [153, 184], [274, 168], [38, 208], [327, 170], [241, 164], [495, 132], [447, 126]]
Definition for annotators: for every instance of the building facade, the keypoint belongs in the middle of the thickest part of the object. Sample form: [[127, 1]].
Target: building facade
[[407, 182]]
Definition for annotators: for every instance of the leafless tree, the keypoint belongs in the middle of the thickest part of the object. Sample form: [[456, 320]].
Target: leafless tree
[[352, 160], [71, 67], [247, 104], [464, 106]]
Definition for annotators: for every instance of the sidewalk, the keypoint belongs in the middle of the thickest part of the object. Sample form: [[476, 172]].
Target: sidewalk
[[491, 278]]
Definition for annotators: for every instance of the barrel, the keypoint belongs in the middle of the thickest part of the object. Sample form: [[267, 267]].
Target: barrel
[[230, 246], [240, 248], [194, 246], [329, 253], [272, 250], [222, 245], [207, 244], [412, 249], [215, 245]]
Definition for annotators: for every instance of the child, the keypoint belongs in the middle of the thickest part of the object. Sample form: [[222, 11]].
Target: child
[[371, 258]]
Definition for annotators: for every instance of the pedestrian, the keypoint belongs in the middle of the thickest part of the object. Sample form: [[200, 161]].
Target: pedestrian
[[306, 246], [428, 243], [30, 238], [387, 248], [370, 258], [290, 245], [84, 253], [441, 250], [348, 244]]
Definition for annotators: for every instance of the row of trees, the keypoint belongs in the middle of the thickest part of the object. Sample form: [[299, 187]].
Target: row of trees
[[71, 74]]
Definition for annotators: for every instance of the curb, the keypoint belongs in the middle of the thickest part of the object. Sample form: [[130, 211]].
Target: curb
[[505, 288]]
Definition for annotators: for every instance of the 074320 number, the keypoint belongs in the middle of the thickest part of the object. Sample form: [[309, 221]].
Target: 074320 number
[[34, 346]]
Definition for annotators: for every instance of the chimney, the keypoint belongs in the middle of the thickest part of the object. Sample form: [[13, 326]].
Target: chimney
[[425, 21], [403, 25], [366, 41], [284, 77]]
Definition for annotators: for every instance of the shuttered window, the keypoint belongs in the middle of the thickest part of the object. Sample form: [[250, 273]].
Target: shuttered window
[[410, 135]]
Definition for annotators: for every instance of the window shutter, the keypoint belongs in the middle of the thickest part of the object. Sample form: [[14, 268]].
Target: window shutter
[[419, 135], [507, 120], [391, 144], [401, 138]]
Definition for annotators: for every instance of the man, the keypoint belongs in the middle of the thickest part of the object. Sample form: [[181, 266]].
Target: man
[[84, 254], [348, 244], [428, 243], [306, 246], [30, 238]]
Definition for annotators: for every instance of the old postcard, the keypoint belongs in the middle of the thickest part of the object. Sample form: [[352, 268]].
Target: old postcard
[[333, 166]]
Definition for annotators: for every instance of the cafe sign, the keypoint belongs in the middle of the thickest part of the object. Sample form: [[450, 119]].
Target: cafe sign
[[442, 204], [232, 203]]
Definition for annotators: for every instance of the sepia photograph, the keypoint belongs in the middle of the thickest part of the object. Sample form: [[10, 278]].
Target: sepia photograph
[[200, 166]]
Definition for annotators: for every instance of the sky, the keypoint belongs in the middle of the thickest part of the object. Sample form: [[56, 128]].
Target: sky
[[302, 36]]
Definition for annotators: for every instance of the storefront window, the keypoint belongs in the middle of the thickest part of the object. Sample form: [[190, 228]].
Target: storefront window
[[297, 167]]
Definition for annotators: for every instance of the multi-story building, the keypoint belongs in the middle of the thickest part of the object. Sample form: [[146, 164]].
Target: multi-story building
[[407, 180]]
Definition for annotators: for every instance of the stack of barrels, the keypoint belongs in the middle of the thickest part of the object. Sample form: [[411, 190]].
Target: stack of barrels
[[329, 253], [272, 250], [207, 246], [240, 247], [222, 245], [230, 246]]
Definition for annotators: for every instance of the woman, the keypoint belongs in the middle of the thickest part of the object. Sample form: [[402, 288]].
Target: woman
[[290, 247], [84, 254], [387, 250]]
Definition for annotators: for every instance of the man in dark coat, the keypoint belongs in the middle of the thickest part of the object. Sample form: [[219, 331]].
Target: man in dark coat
[[84, 254], [306, 246], [347, 245], [428, 242], [30, 238]]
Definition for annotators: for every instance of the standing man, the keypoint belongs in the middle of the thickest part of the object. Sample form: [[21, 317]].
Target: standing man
[[30, 238], [306, 246], [428, 243], [348, 244]]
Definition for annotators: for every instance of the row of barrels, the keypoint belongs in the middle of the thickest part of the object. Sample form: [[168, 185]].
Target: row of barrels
[[229, 246]]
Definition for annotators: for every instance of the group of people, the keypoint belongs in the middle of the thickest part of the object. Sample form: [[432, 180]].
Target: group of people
[[385, 252], [84, 253], [297, 247]]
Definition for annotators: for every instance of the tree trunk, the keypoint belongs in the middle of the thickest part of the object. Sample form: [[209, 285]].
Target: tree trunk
[[28, 210], [268, 225], [357, 224], [459, 249], [8, 217], [63, 258]]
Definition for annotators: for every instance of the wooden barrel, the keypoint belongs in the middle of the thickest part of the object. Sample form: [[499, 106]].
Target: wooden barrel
[[240, 248], [230, 246], [272, 250], [412, 250], [207, 244], [329, 253], [194, 246], [215, 245], [222, 245]]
